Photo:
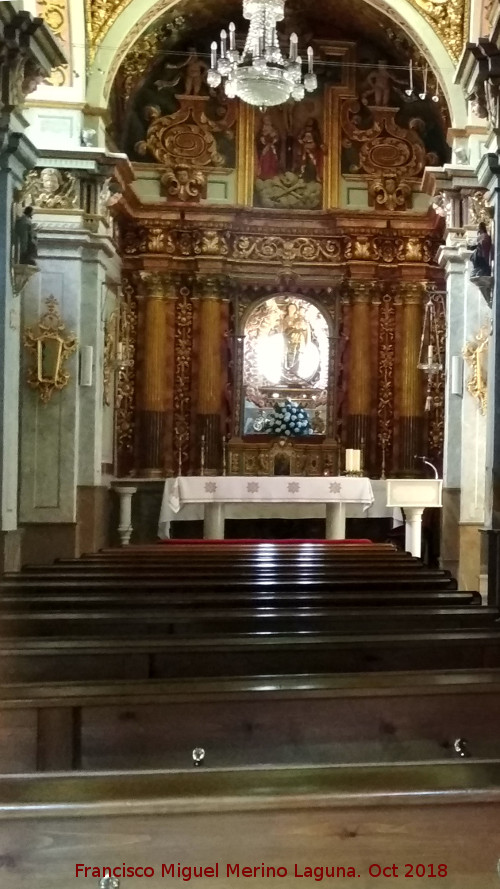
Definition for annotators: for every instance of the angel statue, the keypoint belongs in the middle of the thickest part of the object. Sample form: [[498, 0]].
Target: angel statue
[[194, 74], [378, 86]]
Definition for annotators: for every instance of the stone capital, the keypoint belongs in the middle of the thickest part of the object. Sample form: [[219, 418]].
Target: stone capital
[[157, 285], [212, 286], [361, 292]]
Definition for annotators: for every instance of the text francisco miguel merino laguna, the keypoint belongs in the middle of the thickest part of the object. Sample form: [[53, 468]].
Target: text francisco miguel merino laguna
[[190, 872]]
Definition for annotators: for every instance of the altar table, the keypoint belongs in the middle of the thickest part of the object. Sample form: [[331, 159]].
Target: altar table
[[215, 493]]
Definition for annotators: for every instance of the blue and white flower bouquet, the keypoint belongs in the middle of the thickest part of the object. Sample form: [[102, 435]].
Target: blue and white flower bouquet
[[288, 418]]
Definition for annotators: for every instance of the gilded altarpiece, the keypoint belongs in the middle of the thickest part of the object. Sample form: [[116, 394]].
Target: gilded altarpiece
[[200, 270]]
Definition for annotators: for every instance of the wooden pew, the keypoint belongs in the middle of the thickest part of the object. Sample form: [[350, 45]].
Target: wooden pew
[[84, 659], [365, 817], [246, 721]]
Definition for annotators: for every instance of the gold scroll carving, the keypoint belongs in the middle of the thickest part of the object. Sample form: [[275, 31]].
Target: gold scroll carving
[[182, 383], [100, 15], [125, 384], [437, 382], [390, 156], [109, 358], [55, 14], [191, 241], [386, 360], [476, 355]]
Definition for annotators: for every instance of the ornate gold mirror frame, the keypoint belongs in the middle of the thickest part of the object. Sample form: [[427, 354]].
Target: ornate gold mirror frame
[[476, 357], [50, 348]]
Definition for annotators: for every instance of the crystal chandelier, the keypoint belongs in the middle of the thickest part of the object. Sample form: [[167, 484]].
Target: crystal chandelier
[[260, 75]]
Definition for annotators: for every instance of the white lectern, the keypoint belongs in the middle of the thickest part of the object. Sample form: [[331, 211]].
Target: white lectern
[[413, 495]]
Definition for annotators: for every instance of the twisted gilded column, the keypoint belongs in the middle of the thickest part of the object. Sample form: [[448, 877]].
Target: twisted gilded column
[[209, 423], [360, 370], [156, 375], [411, 391]]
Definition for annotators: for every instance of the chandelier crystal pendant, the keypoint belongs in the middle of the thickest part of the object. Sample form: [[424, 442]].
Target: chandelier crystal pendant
[[261, 75]]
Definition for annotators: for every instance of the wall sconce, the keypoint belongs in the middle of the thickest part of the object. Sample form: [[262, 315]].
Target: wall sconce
[[50, 348]]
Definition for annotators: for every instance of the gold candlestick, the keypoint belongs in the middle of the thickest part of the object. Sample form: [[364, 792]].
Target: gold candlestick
[[202, 456], [224, 455]]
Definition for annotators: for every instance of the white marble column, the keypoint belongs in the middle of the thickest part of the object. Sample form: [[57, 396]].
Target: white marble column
[[16, 156], [465, 424], [63, 497]]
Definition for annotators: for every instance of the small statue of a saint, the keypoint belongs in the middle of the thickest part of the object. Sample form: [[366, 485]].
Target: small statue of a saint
[[480, 257], [25, 239], [310, 152], [268, 150]]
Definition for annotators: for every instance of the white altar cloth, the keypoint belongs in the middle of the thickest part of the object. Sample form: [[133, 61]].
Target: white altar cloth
[[247, 491]]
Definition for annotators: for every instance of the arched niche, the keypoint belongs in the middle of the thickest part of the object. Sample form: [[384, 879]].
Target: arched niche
[[287, 357]]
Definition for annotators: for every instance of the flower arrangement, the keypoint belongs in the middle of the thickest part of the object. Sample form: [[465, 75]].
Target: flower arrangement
[[288, 418]]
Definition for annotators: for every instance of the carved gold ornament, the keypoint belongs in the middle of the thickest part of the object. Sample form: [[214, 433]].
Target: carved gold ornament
[[109, 358], [478, 209], [449, 19], [386, 371], [186, 136], [386, 149], [125, 385], [389, 194], [50, 189], [184, 184], [192, 242], [184, 317], [100, 15], [476, 357], [50, 348], [55, 14]]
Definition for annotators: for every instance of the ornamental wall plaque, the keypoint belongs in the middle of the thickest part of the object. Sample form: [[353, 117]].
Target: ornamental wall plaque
[[50, 347]]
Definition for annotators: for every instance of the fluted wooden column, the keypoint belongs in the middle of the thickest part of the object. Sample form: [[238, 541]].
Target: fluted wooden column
[[155, 390], [210, 373], [411, 400], [360, 370]]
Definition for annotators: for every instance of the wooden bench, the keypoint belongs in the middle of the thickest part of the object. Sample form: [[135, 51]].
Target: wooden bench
[[442, 815], [274, 719]]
